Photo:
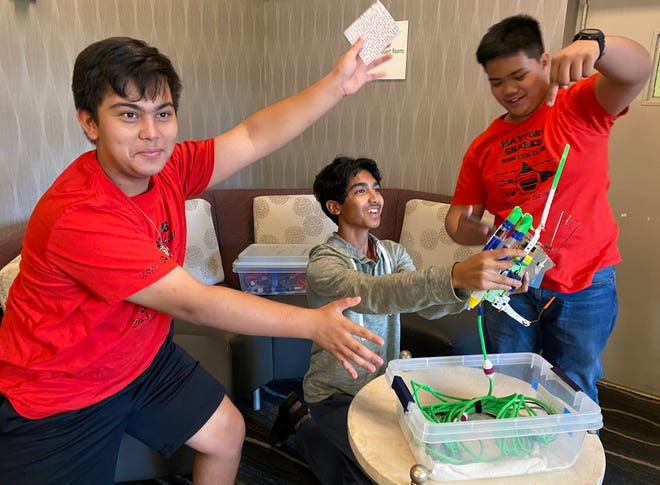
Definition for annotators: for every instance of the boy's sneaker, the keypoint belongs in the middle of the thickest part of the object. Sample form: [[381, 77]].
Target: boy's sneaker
[[290, 412]]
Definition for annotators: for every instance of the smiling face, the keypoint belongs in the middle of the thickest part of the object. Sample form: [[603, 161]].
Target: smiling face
[[134, 137], [519, 83], [361, 210]]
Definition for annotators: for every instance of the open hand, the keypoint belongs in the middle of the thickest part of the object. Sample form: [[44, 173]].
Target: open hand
[[334, 333], [351, 71]]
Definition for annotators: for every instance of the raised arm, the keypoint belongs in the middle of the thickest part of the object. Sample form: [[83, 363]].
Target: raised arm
[[625, 67], [179, 295], [274, 126]]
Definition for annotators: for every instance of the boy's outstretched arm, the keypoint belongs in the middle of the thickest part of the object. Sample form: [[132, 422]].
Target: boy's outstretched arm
[[179, 295], [274, 126], [625, 67]]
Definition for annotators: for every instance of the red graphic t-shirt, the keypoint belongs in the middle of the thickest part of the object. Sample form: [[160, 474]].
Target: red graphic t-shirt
[[69, 337], [513, 164]]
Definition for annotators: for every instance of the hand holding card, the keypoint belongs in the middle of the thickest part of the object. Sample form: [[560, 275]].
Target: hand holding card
[[377, 27]]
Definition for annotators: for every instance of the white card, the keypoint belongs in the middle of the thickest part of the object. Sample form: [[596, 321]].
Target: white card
[[377, 27]]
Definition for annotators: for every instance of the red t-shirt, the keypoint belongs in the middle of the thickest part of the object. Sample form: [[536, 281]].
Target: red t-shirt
[[69, 337], [513, 164]]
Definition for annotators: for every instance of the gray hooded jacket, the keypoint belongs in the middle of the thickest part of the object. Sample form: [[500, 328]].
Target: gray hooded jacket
[[388, 286]]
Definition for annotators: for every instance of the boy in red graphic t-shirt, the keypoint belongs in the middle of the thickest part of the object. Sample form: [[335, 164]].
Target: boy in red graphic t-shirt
[[85, 349], [573, 98]]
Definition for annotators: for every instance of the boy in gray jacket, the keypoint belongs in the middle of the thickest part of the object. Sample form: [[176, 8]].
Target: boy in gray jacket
[[353, 262]]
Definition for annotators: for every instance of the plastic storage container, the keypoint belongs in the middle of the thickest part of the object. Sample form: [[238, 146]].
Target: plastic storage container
[[273, 269], [480, 446]]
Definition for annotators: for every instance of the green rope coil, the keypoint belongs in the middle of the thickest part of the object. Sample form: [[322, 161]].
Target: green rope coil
[[450, 409]]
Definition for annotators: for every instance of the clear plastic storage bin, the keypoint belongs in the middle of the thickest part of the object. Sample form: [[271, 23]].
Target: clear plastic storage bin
[[273, 269], [478, 445]]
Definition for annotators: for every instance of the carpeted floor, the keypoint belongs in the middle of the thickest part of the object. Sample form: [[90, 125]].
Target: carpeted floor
[[630, 436], [262, 463]]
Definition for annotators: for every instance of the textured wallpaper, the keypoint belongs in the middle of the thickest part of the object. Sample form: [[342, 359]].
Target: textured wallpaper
[[236, 56], [417, 129]]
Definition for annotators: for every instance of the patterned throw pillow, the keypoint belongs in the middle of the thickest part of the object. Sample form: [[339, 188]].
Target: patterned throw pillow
[[7, 275], [202, 252], [290, 219], [424, 237]]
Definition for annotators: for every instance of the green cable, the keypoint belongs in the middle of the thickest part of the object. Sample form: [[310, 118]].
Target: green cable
[[480, 326], [449, 409]]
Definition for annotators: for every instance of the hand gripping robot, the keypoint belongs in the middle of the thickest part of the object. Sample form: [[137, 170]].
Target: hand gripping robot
[[515, 232]]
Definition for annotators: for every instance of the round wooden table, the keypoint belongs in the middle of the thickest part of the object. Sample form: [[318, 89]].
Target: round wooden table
[[383, 453]]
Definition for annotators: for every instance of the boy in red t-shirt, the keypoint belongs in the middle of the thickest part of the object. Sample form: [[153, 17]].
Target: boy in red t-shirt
[[85, 348], [551, 103]]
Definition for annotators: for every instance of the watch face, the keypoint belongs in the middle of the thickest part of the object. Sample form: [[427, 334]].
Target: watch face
[[590, 32]]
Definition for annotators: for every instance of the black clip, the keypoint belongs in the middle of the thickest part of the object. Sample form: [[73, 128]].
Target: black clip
[[402, 392]]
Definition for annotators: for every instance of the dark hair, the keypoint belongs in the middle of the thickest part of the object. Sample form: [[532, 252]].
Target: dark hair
[[117, 63], [510, 36], [332, 181]]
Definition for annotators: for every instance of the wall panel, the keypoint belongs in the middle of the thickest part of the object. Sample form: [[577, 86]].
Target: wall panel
[[235, 56]]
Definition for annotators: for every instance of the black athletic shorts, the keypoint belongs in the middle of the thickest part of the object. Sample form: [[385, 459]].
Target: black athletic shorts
[[163, 408]]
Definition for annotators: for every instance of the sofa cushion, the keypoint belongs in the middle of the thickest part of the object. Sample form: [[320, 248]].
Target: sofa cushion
[[290, 219], [203, 260], [424, 237], [7, 275]]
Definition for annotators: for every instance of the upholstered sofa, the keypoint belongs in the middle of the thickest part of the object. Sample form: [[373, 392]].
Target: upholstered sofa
[[414, 218], [244, 216], [239, 217]]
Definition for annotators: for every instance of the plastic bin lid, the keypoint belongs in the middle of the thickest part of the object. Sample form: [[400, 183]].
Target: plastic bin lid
[[269, 255]]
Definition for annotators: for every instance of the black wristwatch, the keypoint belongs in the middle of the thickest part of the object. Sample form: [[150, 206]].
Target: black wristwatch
[[592, 34]]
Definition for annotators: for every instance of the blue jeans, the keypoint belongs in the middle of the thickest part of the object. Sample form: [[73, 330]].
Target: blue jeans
[[571, 333]]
